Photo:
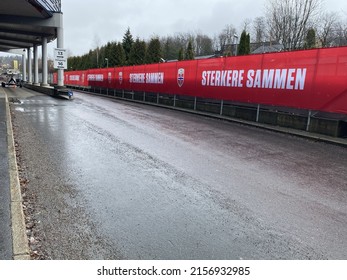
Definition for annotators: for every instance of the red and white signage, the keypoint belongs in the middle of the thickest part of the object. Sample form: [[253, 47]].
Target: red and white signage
[[310, 79]]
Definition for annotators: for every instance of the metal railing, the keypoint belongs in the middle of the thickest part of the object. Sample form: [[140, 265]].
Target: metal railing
[[50, 5]]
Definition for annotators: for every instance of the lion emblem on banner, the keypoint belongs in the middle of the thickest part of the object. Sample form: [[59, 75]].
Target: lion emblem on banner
[[180, 77], [120, 78]]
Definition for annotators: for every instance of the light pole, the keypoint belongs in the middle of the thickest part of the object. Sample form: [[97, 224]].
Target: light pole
[[106, 62]]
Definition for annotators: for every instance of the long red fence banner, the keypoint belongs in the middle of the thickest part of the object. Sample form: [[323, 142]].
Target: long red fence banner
[[310, 79]]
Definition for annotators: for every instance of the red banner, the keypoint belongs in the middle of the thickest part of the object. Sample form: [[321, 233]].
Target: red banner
[[311, 79]]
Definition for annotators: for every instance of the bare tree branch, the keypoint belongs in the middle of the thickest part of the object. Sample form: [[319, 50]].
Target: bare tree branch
[[289, 19]]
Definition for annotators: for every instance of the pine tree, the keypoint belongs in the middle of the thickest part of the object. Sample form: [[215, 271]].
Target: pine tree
[[108, 54], [310, 40], [189, 52], [244, 47], [180, 54], [112, 55], [127, 43], [154, 53], [138, 53], [120, 58], [248, 44]]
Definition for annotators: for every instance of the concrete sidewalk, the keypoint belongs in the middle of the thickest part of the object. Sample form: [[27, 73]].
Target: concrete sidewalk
[[13, 239], [5, 196]]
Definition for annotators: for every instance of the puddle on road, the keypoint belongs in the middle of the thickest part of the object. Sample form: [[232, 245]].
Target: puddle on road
[[19, 109]]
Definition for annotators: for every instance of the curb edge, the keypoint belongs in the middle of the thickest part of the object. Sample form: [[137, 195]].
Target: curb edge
[[19, 237]]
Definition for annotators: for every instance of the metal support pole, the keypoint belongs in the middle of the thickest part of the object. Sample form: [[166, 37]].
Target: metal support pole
[[174, 101], [24, 64], [195, 103], [157, 98], [144, 96], [221, 107], [258, 112], [30, 67], [36, 66], [44, 63], [308, 120]]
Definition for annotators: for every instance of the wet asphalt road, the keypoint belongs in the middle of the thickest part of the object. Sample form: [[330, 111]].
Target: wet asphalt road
[[116, 180]]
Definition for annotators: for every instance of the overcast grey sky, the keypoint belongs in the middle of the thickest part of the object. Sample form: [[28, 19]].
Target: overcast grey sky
[[98, 21]]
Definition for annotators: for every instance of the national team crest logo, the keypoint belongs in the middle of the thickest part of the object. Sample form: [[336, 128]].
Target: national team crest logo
[[180, 77], [120, 78]]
